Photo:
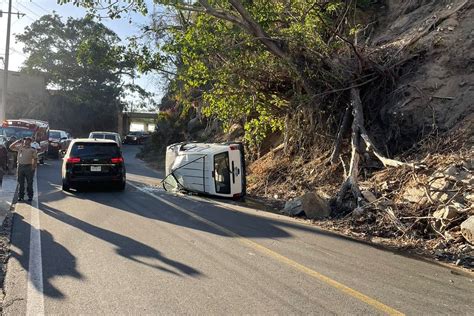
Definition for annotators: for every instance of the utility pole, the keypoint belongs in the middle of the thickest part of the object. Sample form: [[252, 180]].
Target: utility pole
[[6, 60]]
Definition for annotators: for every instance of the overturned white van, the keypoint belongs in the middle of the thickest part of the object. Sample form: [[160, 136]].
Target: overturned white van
[[206, 168]]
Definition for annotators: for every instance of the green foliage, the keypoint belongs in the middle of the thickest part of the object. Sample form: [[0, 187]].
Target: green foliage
[[230, 73], [82, 61]]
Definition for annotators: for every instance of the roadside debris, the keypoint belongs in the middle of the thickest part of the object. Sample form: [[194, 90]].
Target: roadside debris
[[429, 210], [312, 205], [467, 229]]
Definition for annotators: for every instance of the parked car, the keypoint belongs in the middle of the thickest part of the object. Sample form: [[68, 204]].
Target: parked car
[[58, 142], [136, 138], [36, 129], [89, 161], [107, 135]]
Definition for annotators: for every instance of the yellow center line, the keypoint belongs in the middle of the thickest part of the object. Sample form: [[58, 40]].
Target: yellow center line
[[341, 287]]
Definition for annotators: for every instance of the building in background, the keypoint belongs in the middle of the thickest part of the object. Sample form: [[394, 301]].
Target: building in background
[[26, 94]]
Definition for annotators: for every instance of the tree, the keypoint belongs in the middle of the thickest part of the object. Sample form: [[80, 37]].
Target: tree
[[83, 61]]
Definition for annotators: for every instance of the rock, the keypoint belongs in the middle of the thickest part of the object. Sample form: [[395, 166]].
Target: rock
[[446, 212], [293, 207], [358, 211], [469, 165], [311, 204], [438, 188], [369, 196], [459, 175], [467, 229], [414, 194], [438, 181], [451, 171]]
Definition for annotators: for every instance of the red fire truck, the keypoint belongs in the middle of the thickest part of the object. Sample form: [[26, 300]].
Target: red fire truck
[[21, 128]]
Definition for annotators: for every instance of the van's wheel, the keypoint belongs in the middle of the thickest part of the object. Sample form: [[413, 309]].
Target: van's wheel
[[66, 186], [41, 161]]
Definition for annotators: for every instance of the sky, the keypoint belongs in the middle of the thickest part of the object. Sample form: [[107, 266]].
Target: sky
[[34, 9]]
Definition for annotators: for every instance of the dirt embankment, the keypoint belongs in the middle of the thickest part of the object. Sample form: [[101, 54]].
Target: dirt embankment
[[428, 122]]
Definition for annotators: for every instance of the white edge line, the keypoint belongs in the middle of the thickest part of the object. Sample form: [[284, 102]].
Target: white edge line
[[35, 297]]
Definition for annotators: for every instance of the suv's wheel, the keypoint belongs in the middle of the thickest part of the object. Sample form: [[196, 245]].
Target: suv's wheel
[[66, 186], [121, 186]]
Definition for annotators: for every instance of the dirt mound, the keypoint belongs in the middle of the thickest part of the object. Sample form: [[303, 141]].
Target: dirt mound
[[436, 87]]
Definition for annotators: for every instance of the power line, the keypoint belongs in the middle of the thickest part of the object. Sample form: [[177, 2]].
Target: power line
[[39, 7], [23, 15], [25, 8], [16, 51]]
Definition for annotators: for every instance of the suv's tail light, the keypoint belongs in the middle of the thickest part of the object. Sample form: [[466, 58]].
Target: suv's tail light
[[73, 160], [117, 160]]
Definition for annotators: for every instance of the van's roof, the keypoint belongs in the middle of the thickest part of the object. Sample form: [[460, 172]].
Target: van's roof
[[93, 140], [56, 130]]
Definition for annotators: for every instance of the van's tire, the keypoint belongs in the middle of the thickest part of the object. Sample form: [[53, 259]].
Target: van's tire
[[41, 161]]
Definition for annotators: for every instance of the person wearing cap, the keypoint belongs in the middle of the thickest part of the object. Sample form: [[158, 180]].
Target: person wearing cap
[[27, 158]]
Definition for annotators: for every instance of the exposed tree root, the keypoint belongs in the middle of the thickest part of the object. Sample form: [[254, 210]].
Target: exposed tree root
[[359, 135]]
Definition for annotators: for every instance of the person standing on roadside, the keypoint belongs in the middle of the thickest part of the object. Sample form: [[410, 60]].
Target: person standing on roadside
[[27, 158]]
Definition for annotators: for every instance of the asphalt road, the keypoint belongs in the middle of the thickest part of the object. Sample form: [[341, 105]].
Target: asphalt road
[[144, 251]]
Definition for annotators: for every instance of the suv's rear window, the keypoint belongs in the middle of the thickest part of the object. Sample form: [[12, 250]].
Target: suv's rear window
[[108, 136], [82, 150]]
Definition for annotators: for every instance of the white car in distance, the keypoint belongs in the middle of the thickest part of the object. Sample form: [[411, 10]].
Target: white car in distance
[[107, 135]]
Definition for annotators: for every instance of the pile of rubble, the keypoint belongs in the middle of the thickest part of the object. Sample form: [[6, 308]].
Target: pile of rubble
[[429, 208]]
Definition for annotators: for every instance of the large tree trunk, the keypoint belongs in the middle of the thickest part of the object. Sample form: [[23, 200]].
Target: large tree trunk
[[359, 136], [340, 135], [351, 182]]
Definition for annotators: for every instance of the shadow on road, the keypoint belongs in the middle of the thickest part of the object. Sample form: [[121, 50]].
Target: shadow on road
[[55, 253], [125, 246]]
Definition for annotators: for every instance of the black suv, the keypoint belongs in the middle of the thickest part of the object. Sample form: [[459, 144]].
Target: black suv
[[58, 142], [89, 161], [138, 138]]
